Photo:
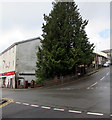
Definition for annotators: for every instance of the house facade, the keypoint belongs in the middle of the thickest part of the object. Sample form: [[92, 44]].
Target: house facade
[[18, 63], [109, 54], [99, 59]]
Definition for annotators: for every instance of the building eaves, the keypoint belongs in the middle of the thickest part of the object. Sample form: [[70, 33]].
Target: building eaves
[[101, 54], [20, 42], [107, 51]]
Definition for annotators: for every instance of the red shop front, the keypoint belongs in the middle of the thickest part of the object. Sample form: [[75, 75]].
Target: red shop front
[[8, 79]]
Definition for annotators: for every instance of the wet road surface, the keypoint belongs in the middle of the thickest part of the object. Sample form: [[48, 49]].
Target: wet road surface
[[88, 97]]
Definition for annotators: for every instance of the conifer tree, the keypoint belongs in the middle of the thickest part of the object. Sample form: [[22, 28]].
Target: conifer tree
[[65, 43]]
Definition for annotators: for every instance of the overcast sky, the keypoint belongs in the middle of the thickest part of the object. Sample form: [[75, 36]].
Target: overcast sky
[[23, 20]]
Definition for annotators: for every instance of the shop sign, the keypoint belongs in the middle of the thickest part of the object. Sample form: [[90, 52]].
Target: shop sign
[[8, 73], [1, 74]]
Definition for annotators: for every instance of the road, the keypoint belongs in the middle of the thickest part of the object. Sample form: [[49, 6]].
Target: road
[[85, 98]]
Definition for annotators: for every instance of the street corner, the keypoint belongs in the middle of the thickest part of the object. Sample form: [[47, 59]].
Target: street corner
[[6, 101]]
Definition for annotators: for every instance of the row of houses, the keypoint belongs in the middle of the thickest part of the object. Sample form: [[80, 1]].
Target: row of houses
[[18, 63]]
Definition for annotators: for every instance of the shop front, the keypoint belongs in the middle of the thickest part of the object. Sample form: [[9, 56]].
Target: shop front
[[8, 79]]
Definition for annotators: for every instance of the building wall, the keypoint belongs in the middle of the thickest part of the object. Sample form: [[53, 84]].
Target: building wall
[[8, 60], [21, 58], [26, 59], [7, 64]]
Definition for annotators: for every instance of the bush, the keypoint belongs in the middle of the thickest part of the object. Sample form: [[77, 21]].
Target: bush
[[39, 80]]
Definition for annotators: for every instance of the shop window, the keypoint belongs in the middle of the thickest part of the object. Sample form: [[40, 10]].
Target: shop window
[[21, 81]]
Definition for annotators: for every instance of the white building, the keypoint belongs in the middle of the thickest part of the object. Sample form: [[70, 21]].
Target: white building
[[18, 62], [109, 54], [102, 58]]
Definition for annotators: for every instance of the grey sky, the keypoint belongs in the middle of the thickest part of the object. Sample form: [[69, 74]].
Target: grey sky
[[23, 20], [26, 15]]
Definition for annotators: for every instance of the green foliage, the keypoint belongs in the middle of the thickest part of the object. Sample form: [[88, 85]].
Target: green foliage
[[65, 43], [39, 80]]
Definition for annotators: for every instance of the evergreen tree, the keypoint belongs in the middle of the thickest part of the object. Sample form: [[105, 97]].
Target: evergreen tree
[[65, 43]]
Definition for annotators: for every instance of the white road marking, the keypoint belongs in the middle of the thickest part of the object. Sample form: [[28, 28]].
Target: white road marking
[[58, 109], [34, 105], [102, 78], [88, 88], [91, 113], [45, 107], [74, 111], [107, 73], [25, 104], [94, 84], [18, 102]]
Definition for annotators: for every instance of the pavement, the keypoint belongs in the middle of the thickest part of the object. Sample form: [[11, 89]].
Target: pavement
[[92, 72], [5, 101], [1, 102], [85, 98]]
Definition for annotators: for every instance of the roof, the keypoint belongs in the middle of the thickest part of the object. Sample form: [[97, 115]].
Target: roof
[[100, 53], [107, 51], [20, 42]]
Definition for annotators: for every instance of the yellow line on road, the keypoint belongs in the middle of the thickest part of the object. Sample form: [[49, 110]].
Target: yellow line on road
[[6, 103]]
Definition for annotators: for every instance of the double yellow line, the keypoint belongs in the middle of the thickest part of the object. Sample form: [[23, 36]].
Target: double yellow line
[[6, 103]]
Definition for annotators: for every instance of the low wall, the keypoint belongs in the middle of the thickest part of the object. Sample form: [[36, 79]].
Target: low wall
[[56, 81]]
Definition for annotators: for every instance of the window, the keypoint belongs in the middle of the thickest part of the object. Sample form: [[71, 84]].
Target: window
[[3, 64]]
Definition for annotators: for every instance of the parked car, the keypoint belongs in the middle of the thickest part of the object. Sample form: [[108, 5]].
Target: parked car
[[106, 65]]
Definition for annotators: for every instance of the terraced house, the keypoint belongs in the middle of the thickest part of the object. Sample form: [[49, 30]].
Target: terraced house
[[18, 63]]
